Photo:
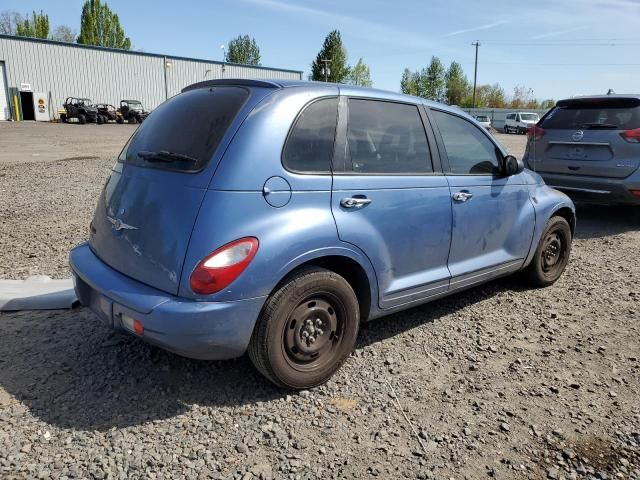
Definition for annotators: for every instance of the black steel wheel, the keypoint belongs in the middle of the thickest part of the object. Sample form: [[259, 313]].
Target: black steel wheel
[[552, 255], [307, 329]]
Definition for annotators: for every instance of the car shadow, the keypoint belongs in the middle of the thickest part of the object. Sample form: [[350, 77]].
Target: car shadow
[[596, 221], [71, 371]]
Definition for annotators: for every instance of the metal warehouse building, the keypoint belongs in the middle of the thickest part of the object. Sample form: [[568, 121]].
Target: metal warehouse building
[[37, 75]]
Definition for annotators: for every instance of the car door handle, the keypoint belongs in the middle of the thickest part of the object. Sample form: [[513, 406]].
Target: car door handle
[[353, 202], [462, 196]]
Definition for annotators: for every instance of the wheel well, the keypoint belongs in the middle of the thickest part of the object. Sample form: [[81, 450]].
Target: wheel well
[[567, 214], [353, 273]]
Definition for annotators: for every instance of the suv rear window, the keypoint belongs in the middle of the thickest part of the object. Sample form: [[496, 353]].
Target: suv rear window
[[618, 114], [184, 132]]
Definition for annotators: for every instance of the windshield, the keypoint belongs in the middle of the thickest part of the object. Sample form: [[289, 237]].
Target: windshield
[[529, 117], [593, 115], [184, 132]]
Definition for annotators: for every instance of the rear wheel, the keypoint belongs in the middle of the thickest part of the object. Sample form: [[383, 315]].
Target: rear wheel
[[120, 120], [506, 129], [307, 329], [99, 119], [82, 118], [133, 120], [63, 117], [552, 254]]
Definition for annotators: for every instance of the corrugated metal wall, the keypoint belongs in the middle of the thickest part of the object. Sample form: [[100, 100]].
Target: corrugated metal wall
[[106, 75]]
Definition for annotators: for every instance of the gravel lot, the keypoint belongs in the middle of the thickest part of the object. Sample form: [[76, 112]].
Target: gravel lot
[[498, 381]]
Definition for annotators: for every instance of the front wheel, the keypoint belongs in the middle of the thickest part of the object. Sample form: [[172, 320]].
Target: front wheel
[[506, 130], [552, 254], [82, 118], [307, 329]]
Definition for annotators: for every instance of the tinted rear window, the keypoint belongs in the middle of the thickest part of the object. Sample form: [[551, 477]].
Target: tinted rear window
[[184, 132], [622, 114]]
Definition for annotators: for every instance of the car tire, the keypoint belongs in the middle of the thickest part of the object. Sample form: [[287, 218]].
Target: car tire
[[552, 254], [82, 118], [120, 120], [307, 329], [99, 120], [506, 130], [63, 118], [133, 120]]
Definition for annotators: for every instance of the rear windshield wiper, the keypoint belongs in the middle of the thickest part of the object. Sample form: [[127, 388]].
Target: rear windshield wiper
[[604, 126], [165, 156]]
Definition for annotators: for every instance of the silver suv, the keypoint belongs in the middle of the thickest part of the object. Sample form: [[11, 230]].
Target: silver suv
[[589, 147]]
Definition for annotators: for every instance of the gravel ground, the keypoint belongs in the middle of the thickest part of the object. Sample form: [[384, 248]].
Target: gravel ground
[[496, 382]]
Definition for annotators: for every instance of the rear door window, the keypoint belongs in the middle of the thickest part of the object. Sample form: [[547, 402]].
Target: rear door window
[[387, 138], [594, 114], [469, 150], [184, 132], [309, 148]]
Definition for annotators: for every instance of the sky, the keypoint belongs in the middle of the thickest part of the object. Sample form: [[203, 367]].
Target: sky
[[556, 48]]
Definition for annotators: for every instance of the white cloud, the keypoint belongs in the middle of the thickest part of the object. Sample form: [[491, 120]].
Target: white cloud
[[356, 27], [557, 33], [477, 28]]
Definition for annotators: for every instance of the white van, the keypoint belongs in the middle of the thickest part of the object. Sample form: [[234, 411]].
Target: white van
[[520, 122]]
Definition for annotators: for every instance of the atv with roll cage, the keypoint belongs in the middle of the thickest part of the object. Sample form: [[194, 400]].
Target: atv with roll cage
[[80, 109], [108, 113], [132, 111]]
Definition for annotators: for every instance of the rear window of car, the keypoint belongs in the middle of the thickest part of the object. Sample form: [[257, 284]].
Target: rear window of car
[[618, 114], [184, 132]]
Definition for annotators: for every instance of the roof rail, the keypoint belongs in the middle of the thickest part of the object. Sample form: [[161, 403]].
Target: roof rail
[[232, 81]]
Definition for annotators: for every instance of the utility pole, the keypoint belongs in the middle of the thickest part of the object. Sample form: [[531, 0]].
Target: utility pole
[[475, 73], [325, 68]]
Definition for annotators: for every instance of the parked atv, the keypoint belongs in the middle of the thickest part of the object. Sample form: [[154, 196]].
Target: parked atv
[[132, 111], [108, 113], [80, 109]]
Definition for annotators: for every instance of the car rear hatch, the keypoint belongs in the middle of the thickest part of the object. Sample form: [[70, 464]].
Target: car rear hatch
[[595, 137], [148, 207]]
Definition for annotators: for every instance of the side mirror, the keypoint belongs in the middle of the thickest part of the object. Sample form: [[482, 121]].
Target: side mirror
[[512, 166]]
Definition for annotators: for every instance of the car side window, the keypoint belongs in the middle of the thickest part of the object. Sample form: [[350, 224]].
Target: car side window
[[309, 147], [468, 149], [386, 138]]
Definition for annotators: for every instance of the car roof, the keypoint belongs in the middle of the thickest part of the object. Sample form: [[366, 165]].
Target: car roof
[[604, 97], [344, 89]]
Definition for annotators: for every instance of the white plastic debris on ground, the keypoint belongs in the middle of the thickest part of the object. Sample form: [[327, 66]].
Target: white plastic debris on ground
[[38, 292]]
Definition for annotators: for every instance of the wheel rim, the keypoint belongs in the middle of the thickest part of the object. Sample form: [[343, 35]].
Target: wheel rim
[[313, 332], [553, 254]]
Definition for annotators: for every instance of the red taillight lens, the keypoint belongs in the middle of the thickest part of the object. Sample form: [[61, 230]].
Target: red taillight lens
[[223, 266], [635, 193], [535, 133], [631, 136]]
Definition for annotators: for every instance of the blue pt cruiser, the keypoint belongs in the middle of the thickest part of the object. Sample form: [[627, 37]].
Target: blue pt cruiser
[[274, 217]]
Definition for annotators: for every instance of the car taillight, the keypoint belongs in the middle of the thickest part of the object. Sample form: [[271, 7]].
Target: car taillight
[[635, 193], [631, 136], [223, 266], [535, 133]]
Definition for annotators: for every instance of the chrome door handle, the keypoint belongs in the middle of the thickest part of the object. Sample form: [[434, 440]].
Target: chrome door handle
[[353, 202], [462, 196]]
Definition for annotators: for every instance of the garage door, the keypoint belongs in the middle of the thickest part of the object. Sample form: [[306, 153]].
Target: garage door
[[4, 102]]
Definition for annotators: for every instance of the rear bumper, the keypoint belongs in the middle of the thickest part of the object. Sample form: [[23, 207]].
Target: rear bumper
[[203, 330], [607, 191]]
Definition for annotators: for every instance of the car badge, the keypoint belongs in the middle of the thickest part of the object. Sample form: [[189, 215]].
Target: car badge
[[118, 224], [579, 135]]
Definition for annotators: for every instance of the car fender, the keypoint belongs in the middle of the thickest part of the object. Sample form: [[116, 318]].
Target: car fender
[[546, 202]]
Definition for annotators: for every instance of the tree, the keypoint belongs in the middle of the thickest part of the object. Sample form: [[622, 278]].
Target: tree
[[63, 33], [547, 104], [407, 83], [38, 27], [334, 51], [243, 49], [496, 97], [9, 22], [457, 85], [434, 80], [360, 75], [522, 97], [100, 26]]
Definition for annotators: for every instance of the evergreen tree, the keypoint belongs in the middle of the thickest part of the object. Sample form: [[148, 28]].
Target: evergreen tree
[[38, 27], [457, 84], [434, 81], [100, 26], [334, 51], [243, 49], [407, 83]]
